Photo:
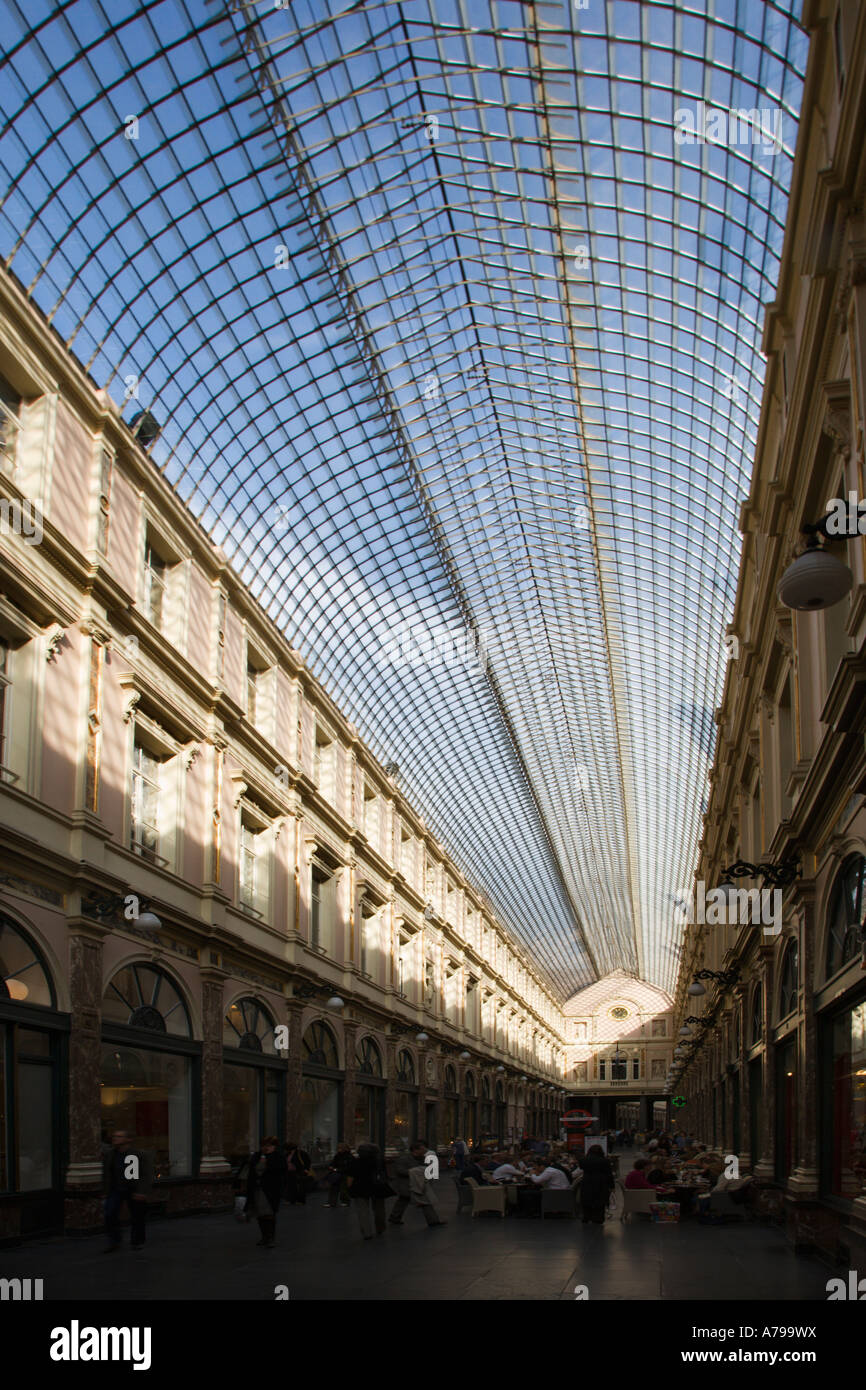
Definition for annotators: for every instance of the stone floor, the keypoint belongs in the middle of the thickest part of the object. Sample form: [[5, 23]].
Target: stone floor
[[319, 1254]]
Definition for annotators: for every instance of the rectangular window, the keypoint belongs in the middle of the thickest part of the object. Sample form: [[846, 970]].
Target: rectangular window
[[148, 1093], [5, 693], [324, 764], [155, 570], [635, 1069], [252, 677], [248, 867], [403, 965], [371, 816], [144, 834], [10, 406], [320, 884], [602, 1069]]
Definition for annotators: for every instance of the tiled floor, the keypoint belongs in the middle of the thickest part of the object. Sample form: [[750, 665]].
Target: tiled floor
[[320, 1255]]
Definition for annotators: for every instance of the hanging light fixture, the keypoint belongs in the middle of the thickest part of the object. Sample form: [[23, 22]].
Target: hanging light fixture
[[335, 1002], [816, 579], [422, 1037]]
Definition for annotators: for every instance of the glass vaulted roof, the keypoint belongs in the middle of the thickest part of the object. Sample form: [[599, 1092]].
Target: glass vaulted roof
[[450, 311]]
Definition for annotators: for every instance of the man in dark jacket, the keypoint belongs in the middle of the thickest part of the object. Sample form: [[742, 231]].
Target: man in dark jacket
[[128, 1173], [299, 1174], [266, 1183], [407, 1187], [337, 1169], [597, 1185]]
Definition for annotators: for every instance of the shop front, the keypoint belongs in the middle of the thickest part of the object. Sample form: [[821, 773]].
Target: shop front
[[322, 1083], [253, 1080], [369, 1095], [33, 1050], [405, 1102]]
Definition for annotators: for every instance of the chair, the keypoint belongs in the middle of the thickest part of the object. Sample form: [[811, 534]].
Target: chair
[[487, 1198], [722, 1204], [635, 1199], [464, 1196], [559, 1199]]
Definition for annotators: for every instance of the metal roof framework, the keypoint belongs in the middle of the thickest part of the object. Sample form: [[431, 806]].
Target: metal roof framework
[[454, 336]]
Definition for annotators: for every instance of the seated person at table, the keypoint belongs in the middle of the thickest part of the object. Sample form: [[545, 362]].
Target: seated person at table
[[637, 1178], [472, 1170], [506, 1172], [548, 1175], [660, 1173], [723, 1184]]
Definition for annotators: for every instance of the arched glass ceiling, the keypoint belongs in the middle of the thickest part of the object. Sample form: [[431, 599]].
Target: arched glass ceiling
[[454, 335]]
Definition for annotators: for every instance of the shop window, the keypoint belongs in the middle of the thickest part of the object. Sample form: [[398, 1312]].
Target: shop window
[[845, 935], [368, 1059], [319, 1046], [148, 1090], [789, 981], [757, 1029], [252, 1093], [29, 1116], [249, 1026], [406, 1068], [143, 996], [23, 975], [846, 1097]]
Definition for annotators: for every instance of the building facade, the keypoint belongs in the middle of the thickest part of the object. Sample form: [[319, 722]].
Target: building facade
[[619, 1047], [219, 916], [773, 1062]]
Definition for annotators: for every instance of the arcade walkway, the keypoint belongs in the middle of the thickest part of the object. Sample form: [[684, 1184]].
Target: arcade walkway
[[320, 1256]]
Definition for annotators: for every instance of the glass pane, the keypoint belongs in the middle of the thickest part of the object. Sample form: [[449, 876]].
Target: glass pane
[[22, 977], [320, 1118], [4, 1044], [148, 1094], [34, 1126], [241, 1119], [33, 1043], [849, 1104]]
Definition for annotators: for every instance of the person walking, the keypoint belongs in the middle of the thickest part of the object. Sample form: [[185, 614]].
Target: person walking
[[412, 1186], [299, 1174], [461, 1155], [128, 1173], [368, 1188], [337, 1169], [266, 1182], [597, 1185]]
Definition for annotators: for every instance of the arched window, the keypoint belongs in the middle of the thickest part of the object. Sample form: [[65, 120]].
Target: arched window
[[146, 1085], [368, 1058], [757, 1031], [469, 1085], [405, 1068], [844, 938], [320, 1047], [24, 977], [249, 1026], [485, 1088], [789, 981], [143, 996], [451, 1080]]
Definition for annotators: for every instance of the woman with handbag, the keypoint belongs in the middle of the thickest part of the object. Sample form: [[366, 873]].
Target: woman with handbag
[[368, 1188], [300, 1175], [266, 1180]]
